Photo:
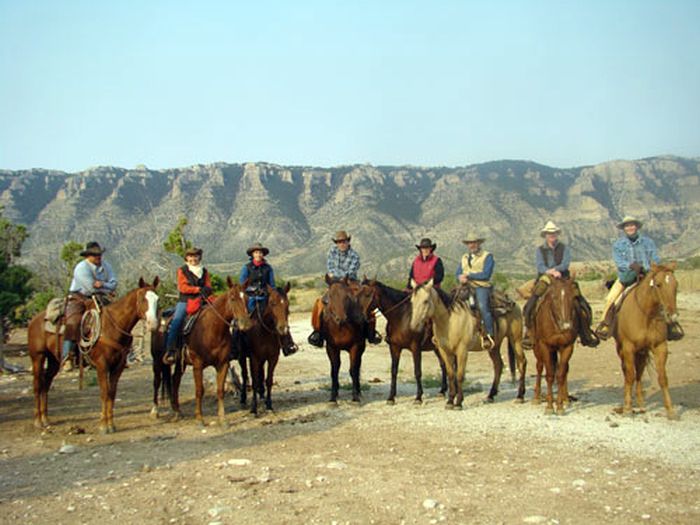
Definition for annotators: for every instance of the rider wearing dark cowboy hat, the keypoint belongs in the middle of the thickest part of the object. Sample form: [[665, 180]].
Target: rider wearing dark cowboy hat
[[258, 274], [426, 265]]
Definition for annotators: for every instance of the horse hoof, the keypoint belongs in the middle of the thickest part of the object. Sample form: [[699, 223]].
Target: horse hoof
[[458, 407], [154, 413], [449, 406], [332, 403], [488, 400], [418, 402], [548, 411], [390, 402], [673, 416], [200, 423], [519, 400], [561, 411]]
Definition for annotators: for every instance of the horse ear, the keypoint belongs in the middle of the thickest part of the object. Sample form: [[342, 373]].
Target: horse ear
[[287, 287], [364, 279], [142, 283], [672, 265], [413, 283], [229, 282], [156, 282], [328, 280], [429, 284]]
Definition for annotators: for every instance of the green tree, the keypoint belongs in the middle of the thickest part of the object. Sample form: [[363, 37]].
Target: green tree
[[70, 255], [15, 285], [176, 242]]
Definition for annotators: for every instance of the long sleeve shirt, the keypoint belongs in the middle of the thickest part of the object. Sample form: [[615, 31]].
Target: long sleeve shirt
[[544, 265], [483, 275], [641, 250], [340, 264], [85, 274]]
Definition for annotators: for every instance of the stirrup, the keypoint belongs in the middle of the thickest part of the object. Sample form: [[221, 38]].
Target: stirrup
[[374, 338], [169, 358], [487, 343], [602, 331]]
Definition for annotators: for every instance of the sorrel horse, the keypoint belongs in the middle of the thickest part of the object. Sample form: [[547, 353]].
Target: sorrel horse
[[395, 306], [262, 343], [343, 328], [555, 329], [108, 355], [208, 344], [640, 329], [455, 331]]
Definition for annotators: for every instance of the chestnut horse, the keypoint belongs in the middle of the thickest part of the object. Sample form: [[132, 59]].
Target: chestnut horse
[[640, 329], [395, 306], [262, 344], [108, 355], [555, 329], [343, 328], [209, 344], [455, 329]]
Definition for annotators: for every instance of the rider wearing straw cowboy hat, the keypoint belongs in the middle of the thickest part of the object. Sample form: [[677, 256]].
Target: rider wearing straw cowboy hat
[[552, 260], [342, 261], [476, 269], [91, 276], [633, 254], [426, 265]]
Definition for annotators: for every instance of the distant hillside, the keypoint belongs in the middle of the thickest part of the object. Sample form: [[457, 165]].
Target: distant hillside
[[295, 210]]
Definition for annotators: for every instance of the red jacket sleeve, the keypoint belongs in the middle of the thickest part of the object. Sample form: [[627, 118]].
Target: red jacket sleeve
[[183, 286]]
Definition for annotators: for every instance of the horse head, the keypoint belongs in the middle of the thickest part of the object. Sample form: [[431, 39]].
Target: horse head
[[422, 304], [236, 304], [147, 303], [278, 306], [367, 301], [562, 293], [339, 302], [664, 286]]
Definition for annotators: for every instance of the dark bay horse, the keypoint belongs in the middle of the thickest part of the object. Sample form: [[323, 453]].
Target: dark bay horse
[[554, 332], [640, 330], [208, 344], [108, 355], [395, 306], [263, 344], [344, 318]]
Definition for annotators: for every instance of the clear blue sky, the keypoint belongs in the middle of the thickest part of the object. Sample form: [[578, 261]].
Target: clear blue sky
[[171, 83]]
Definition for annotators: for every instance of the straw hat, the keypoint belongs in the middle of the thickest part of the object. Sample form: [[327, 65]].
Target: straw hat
[[550, 227], [341, 235], [629, 219], [473, 237]]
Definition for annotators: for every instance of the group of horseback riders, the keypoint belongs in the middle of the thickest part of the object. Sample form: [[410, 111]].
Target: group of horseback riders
[[633, 254]]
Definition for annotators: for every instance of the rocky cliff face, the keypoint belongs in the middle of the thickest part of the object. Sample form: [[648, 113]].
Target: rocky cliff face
[[296, 210]]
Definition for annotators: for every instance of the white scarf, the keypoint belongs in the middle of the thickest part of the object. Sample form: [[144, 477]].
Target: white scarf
[[196, 270]]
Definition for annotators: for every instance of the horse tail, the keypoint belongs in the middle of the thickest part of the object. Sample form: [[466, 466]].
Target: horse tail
[[166, 386]]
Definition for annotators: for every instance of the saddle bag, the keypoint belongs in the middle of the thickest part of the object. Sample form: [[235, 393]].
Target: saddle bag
[[54, 310]]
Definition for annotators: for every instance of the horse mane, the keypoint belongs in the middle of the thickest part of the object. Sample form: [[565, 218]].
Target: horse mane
[[393, 294], [449, 300]]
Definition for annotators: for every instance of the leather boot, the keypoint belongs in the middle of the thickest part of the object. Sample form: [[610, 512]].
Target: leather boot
[[315, 339], [235, 351], [169, 357], [583, 309]]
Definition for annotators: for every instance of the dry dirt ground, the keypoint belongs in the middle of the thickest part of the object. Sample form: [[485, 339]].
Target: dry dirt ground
[[308, 462]]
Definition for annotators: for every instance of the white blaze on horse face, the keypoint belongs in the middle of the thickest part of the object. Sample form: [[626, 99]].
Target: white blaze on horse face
[[242, 295], [651, 283], [151, 317], [668, 279]]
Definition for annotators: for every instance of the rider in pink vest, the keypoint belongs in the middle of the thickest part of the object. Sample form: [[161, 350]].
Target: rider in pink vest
[[426, 265]]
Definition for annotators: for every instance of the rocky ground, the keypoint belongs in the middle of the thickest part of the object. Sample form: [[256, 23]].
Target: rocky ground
[[308, 462]]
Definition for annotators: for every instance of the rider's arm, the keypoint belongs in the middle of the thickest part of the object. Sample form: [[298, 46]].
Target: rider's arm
[[332, 263], [439, 273], [485, 274], [354, 264], [183, 285], [82, 279], [459, 271], [110, 282], [244, 274], [271, 280], [539, 262], [621, 256]]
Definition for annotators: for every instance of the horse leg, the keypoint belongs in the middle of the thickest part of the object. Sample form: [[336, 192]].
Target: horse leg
[[418, 372], [38, 373], [52, 368], [355, 365], [511, 360], [334, 357], [243, 362], [562, 382], [221, 373], [198, 374], [549, 367], [395, 357], [448, 360], [255, 366], [175, 400], [157, 379], [271, 364], [660, 354], [495, 355], [539, 365], [462, 355], [103, 381], [640, 363], [443, 372], [114, 375], [521, 362], [627, 359]]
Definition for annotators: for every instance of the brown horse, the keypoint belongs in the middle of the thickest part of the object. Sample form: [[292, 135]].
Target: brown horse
[[263, 344], [209, 344], [554, 332], [455, 329], [640, 328], [108, 355], [344, 318], [395, 306]]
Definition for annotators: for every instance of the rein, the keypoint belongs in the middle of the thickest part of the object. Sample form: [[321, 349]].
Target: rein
[[657, 293], [394, 307], [260, 319]]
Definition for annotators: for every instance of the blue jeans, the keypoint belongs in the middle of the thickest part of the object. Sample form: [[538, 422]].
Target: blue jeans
[[483, 298], [252, 299], [176, 324]]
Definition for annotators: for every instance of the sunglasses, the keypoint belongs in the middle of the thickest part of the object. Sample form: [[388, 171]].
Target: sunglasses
[[345, 241]]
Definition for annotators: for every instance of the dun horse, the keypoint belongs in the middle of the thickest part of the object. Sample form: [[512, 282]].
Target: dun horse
[[395, 306], [262, 344], [554, 331], [343, 328], [209, 344], [640, 329], [108, 355], [455, 333]]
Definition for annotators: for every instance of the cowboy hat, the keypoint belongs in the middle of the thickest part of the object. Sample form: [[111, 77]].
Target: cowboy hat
[[550, 227], [257, 246], [473, 237], [629, 220], [426, 243], [92, 248], [197, 252], [341, 235]]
